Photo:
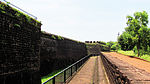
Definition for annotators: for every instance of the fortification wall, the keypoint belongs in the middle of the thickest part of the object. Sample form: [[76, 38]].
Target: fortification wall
[[94, 47], [19, 48], [26, 54], [58, 52]]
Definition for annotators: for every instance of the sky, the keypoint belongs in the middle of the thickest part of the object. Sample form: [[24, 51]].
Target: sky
[[83, 20]]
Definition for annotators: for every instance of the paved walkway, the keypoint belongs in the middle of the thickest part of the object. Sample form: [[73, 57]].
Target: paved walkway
[[91, 73]]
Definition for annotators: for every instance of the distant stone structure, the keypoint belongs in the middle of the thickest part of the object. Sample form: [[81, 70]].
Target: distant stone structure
[[95, 47]]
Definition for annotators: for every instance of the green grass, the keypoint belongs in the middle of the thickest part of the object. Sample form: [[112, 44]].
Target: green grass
[[131, 53], [45, 78], [146, 57]]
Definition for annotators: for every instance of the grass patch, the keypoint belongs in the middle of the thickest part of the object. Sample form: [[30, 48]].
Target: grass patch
[[146, 57], [131, 53], [45, 78]]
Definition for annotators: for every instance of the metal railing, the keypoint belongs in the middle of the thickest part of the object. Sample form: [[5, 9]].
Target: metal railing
[[20, 9], [67, 73]]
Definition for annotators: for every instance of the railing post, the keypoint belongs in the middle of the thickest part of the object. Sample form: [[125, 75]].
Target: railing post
[[71, 70], [76, 67], [54, 80], [64, 76]]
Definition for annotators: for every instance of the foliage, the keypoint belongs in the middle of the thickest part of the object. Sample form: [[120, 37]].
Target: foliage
[[45, 78], [103, 47], [112, 45], [5, 8], [126, 41], [8, 3], [131, 53], [53, 37], [43, 31], [17, 25], [102, 42], [136, 34], [60, 38]]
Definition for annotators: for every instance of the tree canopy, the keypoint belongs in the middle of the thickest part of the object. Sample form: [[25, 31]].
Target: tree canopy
[[136, 33]]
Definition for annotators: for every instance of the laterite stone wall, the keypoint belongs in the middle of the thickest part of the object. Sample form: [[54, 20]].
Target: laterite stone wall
[[26, 54], [114, 74], [93, 49], [59, 52], [19, 50]]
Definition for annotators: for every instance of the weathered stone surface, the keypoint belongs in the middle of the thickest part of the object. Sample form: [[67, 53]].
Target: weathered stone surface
[[59, 53], [19, 51]]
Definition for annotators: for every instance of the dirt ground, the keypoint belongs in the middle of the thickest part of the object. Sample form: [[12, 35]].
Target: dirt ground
[[138, 71], [133, 61]]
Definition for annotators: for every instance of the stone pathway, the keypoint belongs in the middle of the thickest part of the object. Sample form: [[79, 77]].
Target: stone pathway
[[91, 73], [103, 79]]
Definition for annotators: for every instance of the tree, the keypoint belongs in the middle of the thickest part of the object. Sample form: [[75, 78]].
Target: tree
[[126, 41], [112, 45], [137, 28]]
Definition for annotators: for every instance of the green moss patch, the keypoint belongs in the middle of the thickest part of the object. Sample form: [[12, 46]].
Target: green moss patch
[[6, 9]]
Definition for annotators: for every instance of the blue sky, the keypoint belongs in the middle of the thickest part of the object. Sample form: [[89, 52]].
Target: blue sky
[[82, 20]]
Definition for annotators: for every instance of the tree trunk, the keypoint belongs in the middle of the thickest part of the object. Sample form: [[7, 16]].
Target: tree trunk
[[138, 46], [138, 51]]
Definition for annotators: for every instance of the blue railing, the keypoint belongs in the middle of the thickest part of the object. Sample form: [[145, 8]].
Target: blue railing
[[21, 9], [67, 73]]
